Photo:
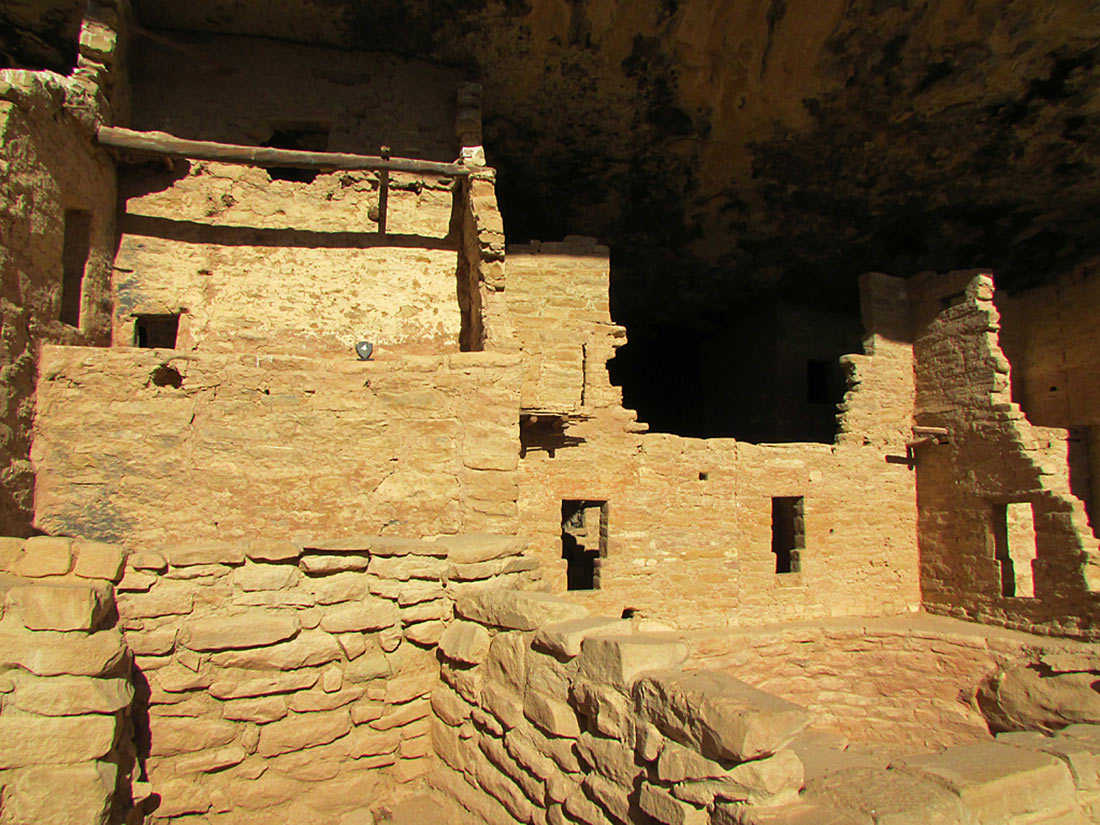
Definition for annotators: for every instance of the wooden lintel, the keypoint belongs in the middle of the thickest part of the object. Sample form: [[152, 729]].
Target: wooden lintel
[[165, 145]]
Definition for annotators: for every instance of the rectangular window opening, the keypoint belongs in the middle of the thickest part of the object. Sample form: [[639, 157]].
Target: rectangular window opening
[[74, 257], [788, 533], [156, 331], [584, 535], [1015, 548]]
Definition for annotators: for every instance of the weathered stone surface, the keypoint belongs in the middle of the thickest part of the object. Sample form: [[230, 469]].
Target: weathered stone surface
[[58, 654], [889, 796], [62, 795], [997, 782], [506, 706], [409, 686], [663, 807], [767, 781], [606, 709], [44, 556], [309, 648], [403, 715], [397, 546], [152, 642], [610, 757], [551, 715], [425, 634], [185, 735], [366, 742], [365, 614], [465, 642], [320, 564], [1026, 699], [449, 706], [515, 609], [71, 695], [210, 552], [403, 568], [165, 599], [204, 761], [417, 591], [261, 710], [147, 560], [618, 660], [98, 560], [303, 731], [564, 638], [253, 683], [10, 551], [235, 632], [309, 701], [264, 549], [62, 740], [473, 548], [724, 718], [254, 577], [367, 668], [59, 607]]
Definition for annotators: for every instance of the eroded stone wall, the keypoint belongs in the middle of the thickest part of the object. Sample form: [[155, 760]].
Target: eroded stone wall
[[974, 564], [248, 444], [51, 171], [66, 753], [689, 520], [281, 680]]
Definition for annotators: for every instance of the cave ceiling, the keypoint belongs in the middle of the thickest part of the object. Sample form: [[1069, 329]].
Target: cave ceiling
[[737, 151]]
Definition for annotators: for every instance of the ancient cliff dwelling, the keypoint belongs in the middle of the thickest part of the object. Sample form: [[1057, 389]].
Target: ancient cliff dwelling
[[561, 412]]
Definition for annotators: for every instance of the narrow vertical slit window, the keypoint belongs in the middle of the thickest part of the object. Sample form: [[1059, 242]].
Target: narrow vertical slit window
[[74, 257], [584, 535], [156, 331], [1014, 548], [788, 533]]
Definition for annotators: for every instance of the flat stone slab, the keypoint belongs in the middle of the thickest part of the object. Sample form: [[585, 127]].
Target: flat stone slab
[[465, 642], [474, 547], [723, 717], [998, 782], [564, 638], [619, 660], [237, 632], [517, 609]]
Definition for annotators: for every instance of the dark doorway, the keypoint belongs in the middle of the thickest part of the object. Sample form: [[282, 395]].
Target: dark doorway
[[583, 542], [788, 533], [74, 257]]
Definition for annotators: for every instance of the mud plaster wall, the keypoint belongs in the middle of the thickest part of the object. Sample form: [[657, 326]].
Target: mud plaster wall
[[1049, 335], [995, 457], [255, 443], [690, 519], [286, 265], [49, 166]]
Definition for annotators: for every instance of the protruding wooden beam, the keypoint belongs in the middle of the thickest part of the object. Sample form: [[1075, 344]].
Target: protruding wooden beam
[[165, 145]]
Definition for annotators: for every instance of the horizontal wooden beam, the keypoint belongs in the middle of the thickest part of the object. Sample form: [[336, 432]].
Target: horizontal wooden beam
[[165, 145]]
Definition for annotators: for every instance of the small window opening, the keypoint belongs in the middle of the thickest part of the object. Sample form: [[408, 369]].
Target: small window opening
[[312, 138], [74, 257], [583, 542], [544, 431], [703, 475], [156, 331], [1014, 547], [788, 533]]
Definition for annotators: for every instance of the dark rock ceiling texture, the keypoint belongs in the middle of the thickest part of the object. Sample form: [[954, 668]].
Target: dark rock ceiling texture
[[731, 150]]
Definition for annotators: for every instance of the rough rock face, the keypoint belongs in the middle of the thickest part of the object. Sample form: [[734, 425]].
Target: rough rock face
[[729, 149]]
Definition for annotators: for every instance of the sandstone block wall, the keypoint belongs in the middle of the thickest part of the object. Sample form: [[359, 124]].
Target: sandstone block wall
[[283, 681], [996, 458], [689, 520], [545, 714], [48, 167], [249, 444], [65, 690]]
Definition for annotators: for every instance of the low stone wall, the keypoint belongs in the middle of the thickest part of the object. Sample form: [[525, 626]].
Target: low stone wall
[[290, 682], [65, 691], [544, 714]]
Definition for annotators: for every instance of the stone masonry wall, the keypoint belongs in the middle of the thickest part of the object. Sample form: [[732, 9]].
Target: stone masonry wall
[[1049, 337], [250, 444], [47, 166], [545, 714], [282, 681], [65, 689], [995, 459], [689, 520], [281, 265]]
